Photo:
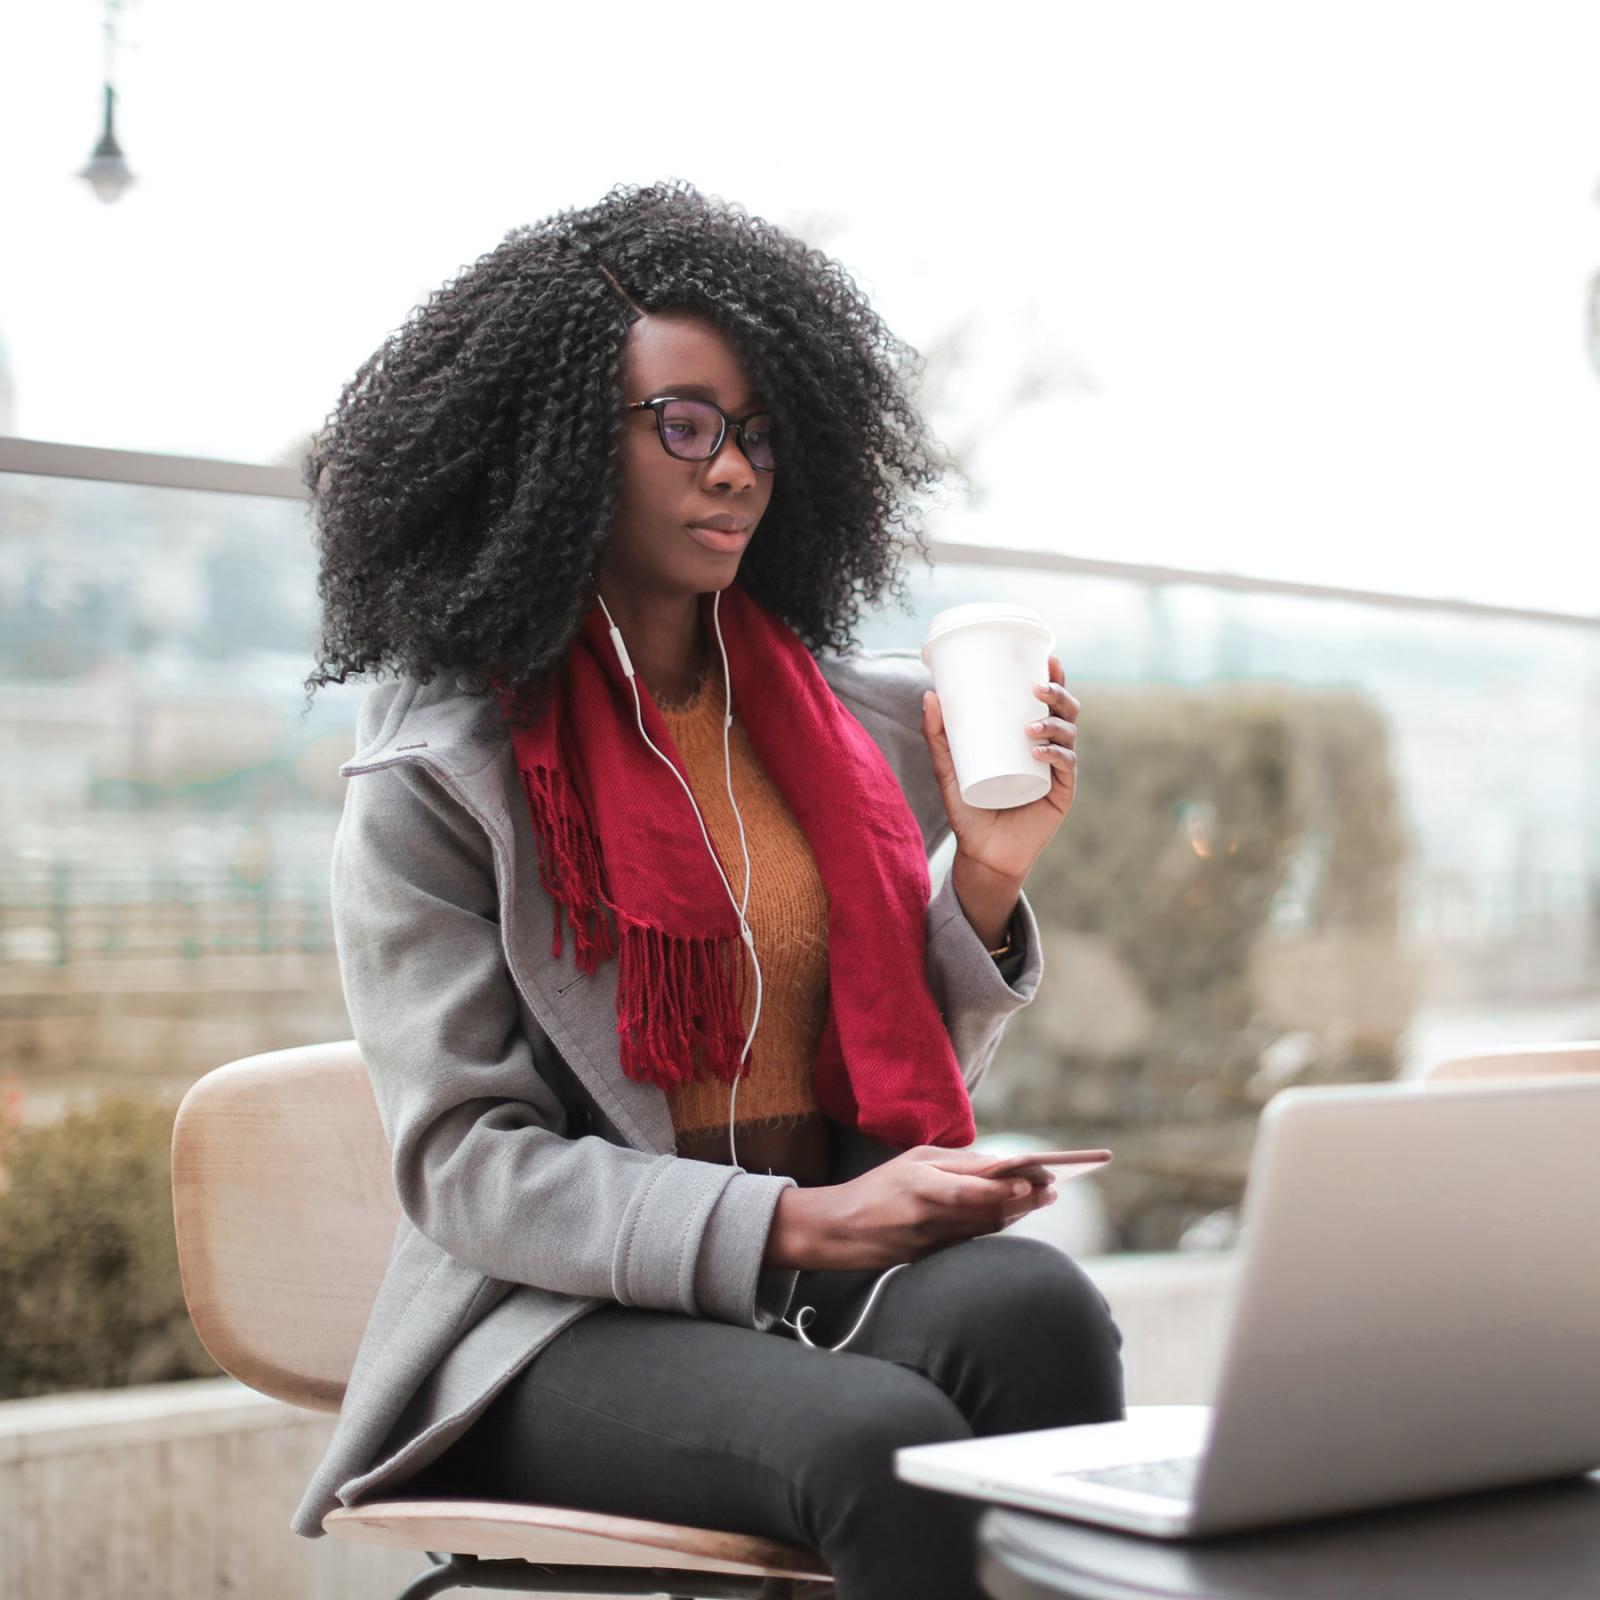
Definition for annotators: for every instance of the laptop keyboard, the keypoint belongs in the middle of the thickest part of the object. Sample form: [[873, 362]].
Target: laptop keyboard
[[1172, 1480]]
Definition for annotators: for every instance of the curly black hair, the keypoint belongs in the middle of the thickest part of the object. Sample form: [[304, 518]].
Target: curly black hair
[[466, 481]]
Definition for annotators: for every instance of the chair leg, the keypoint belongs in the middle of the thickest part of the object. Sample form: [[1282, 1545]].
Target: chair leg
[[447, 1574], [473, 1572]]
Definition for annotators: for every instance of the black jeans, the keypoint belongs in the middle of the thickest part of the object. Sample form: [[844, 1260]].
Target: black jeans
[[683, 1419]]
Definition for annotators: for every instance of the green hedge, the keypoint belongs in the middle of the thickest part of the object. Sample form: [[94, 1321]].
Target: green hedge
[[1220, 917], [90, 1296]]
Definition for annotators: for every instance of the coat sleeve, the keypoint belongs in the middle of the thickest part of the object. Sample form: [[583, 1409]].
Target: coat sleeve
[[482, 1164], [975, 993]]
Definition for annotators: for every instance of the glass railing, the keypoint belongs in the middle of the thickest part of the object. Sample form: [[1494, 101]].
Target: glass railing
[[1319, 834], [167, 809]]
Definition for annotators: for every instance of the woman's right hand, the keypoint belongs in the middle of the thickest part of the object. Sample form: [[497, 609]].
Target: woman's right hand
[[902, 1209]]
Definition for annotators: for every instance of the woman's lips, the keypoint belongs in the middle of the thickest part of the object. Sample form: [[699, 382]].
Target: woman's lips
[[719, 538]]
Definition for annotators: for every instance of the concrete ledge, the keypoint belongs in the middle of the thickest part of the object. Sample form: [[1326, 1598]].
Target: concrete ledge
[[1173, 1310], [172, 1491], [94, 1419]]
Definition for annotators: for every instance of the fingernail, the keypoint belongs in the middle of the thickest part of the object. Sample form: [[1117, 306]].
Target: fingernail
[[1020, 1189]]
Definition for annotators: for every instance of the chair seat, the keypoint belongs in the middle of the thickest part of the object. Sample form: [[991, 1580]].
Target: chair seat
[[502, 1530]]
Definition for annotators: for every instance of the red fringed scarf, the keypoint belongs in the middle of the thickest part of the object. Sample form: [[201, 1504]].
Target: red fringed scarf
[[607, 812]]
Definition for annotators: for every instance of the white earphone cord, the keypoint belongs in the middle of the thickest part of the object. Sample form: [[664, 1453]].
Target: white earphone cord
[[800, 1321]]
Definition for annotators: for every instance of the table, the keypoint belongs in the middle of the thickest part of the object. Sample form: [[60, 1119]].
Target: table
[[1542, 1540]]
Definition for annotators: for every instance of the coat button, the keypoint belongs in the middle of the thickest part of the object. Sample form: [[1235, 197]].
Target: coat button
[[471, 683]]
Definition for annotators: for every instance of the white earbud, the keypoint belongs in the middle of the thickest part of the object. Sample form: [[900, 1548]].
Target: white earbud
[[799, 1324]]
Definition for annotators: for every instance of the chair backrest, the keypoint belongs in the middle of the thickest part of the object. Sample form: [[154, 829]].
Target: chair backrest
[[1581, 1058], [286, 1213]]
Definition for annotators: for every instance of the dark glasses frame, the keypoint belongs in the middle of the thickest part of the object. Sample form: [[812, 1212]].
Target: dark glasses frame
[[736, 423]]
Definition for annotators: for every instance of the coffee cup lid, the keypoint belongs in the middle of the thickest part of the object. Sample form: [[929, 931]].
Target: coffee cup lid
[[953, 617]]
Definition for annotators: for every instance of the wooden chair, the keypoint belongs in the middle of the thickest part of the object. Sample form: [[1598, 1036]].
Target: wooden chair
[[267, 1152], [1519, 1061]]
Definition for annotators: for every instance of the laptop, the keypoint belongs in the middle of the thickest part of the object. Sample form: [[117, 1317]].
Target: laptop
[[1417, 1314]]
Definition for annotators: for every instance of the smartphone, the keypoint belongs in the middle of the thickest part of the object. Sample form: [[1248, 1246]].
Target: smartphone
[[1061, 1164]]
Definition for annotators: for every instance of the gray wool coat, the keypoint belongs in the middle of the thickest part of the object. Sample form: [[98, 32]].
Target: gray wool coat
[[536, 1181]]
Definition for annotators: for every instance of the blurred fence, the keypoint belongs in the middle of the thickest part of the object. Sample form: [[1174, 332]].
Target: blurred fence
[[57, 912]]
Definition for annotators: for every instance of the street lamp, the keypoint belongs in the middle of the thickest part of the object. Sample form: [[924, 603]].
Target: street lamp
[[107, 173]]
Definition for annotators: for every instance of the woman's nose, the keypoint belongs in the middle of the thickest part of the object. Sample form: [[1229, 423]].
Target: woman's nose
[[731, 464]]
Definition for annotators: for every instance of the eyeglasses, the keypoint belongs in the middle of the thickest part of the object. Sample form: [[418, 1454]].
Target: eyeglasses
[[693, 430]]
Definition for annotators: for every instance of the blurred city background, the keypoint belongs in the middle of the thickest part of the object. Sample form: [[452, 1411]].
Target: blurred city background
[[1265, 337]]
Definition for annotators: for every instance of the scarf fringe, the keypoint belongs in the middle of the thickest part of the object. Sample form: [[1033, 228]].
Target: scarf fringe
[[569, 867], [679, 1001], [679, 1008]]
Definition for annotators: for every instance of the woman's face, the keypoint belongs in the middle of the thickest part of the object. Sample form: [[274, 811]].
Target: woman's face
[[652, 546]]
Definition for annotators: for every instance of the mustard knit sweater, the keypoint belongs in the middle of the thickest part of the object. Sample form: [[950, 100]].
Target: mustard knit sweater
[[788, 915]]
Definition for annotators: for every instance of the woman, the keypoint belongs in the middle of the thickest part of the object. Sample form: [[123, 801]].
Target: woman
[[651, 1164]]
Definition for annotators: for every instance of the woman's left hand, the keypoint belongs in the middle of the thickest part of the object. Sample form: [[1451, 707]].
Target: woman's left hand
[[1009, 842]]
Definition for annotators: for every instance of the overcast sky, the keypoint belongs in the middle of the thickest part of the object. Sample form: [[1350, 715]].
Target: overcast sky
[[1312, 278]]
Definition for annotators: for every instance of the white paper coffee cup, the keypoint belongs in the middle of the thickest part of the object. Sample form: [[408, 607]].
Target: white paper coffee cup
[[985, 659]]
